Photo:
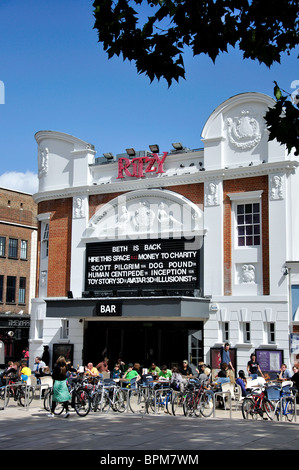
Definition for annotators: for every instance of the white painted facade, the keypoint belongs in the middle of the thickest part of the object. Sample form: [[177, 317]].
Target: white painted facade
[[236, 146]]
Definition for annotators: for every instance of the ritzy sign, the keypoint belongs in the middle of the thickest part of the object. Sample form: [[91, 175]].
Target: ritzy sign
[[138, 166]]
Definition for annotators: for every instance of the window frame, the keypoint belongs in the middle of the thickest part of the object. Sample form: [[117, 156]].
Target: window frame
[[13, 248]]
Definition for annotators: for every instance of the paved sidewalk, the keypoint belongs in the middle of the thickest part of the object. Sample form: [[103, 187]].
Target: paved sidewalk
[[31, 429]]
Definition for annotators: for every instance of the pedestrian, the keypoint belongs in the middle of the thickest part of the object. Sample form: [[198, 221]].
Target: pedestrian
[[61, 393], [225, 355], [253, 367]]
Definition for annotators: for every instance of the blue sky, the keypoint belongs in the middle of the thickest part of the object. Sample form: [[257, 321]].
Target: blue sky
[[57, 77]]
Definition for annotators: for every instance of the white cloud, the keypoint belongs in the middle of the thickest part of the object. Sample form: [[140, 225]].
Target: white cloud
[[17, 181]]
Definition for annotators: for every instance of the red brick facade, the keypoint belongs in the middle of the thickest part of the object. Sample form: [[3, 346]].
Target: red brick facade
[[242, 185]]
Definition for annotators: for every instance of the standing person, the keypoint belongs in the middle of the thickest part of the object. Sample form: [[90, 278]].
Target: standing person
[[46, 355], [225, 356], [25, 355], [60, 391], [253, 367]]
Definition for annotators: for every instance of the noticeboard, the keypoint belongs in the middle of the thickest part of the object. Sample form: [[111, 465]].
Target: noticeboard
[[270, 361], [65, 350], [142, 264]]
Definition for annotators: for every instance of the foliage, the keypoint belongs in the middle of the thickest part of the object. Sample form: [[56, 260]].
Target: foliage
[[158, 40]]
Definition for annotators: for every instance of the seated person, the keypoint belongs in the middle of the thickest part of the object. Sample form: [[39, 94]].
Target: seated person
[[222, 374], [165, 373], [285, 374], [130, 374], [24, 372], [241, 380], [154, 369], [186, 370], [116, 372], [176, 381], [91, 371]]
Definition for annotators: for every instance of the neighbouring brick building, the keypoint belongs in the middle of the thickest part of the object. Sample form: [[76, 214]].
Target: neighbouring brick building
[[166, 255], [18, 245]]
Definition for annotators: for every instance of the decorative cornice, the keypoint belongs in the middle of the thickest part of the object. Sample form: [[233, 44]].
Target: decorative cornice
[[162, 181]]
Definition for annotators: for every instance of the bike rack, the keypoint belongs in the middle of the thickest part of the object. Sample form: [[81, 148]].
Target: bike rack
[[15, 385], [158, 391], [228, 393]]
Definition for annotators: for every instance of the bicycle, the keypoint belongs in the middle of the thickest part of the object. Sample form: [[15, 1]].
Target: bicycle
[[285, 406], [158, 399], [198, 401], [108, 396], [19, 391], [256, 404], [80, 399]]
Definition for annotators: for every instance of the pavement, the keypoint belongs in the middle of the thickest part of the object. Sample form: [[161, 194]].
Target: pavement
[[117, 435]]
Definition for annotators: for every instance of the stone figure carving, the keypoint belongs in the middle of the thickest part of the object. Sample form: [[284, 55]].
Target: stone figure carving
[[276, 187], [78, 208], [144, 217], [244, 131], [212, 194], [248, 273], [43, 162], [165, 219]]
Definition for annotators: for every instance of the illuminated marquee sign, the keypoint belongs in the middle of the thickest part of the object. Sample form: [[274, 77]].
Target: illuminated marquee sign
[[138, 166], [146, 264]]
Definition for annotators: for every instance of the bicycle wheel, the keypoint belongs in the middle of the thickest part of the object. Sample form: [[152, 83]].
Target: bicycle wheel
[[290, 409], [169, 402], [177, 404], [268, 408], [138, 401], [25, 395], [121, 401], [48, 399], [105, 403], [58, 408], [248, 409], [188, 405], [206, 404], [82, 402]]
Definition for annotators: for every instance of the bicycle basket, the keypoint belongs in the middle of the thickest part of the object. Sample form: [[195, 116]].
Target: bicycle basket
[[273, 392]]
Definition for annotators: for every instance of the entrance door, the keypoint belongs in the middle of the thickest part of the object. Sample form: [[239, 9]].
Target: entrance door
[[136, 341]]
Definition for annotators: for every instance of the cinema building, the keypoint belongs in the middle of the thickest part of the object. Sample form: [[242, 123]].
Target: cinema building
[[165, 254]]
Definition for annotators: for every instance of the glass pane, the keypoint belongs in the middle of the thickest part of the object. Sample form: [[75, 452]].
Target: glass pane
[[256, 207], [249, 241], [240, 209], [257, 229], [248, 208], [241, 241], [241, 230], [249, 230], [256, 218], [240, 219], [248, 219], [257, 240]]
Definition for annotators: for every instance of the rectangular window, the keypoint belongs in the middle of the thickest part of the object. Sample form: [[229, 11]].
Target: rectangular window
[[12, 248], [23, 250], [2, 246], [246, 333], [225, 331], [1, 288], [45, 240], [39, 326], [64, 329], [271, 333], [22, 290], [11, 289], [249, 224]]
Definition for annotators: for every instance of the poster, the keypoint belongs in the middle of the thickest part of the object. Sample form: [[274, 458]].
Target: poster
[[269, 361]]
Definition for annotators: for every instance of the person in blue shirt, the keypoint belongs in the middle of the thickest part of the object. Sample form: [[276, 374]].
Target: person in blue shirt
[[285, 374], [241, 380], [225, 356]]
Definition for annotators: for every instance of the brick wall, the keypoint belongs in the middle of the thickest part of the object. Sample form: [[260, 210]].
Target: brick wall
[[242, 185], [17, 216], [60, 233]]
